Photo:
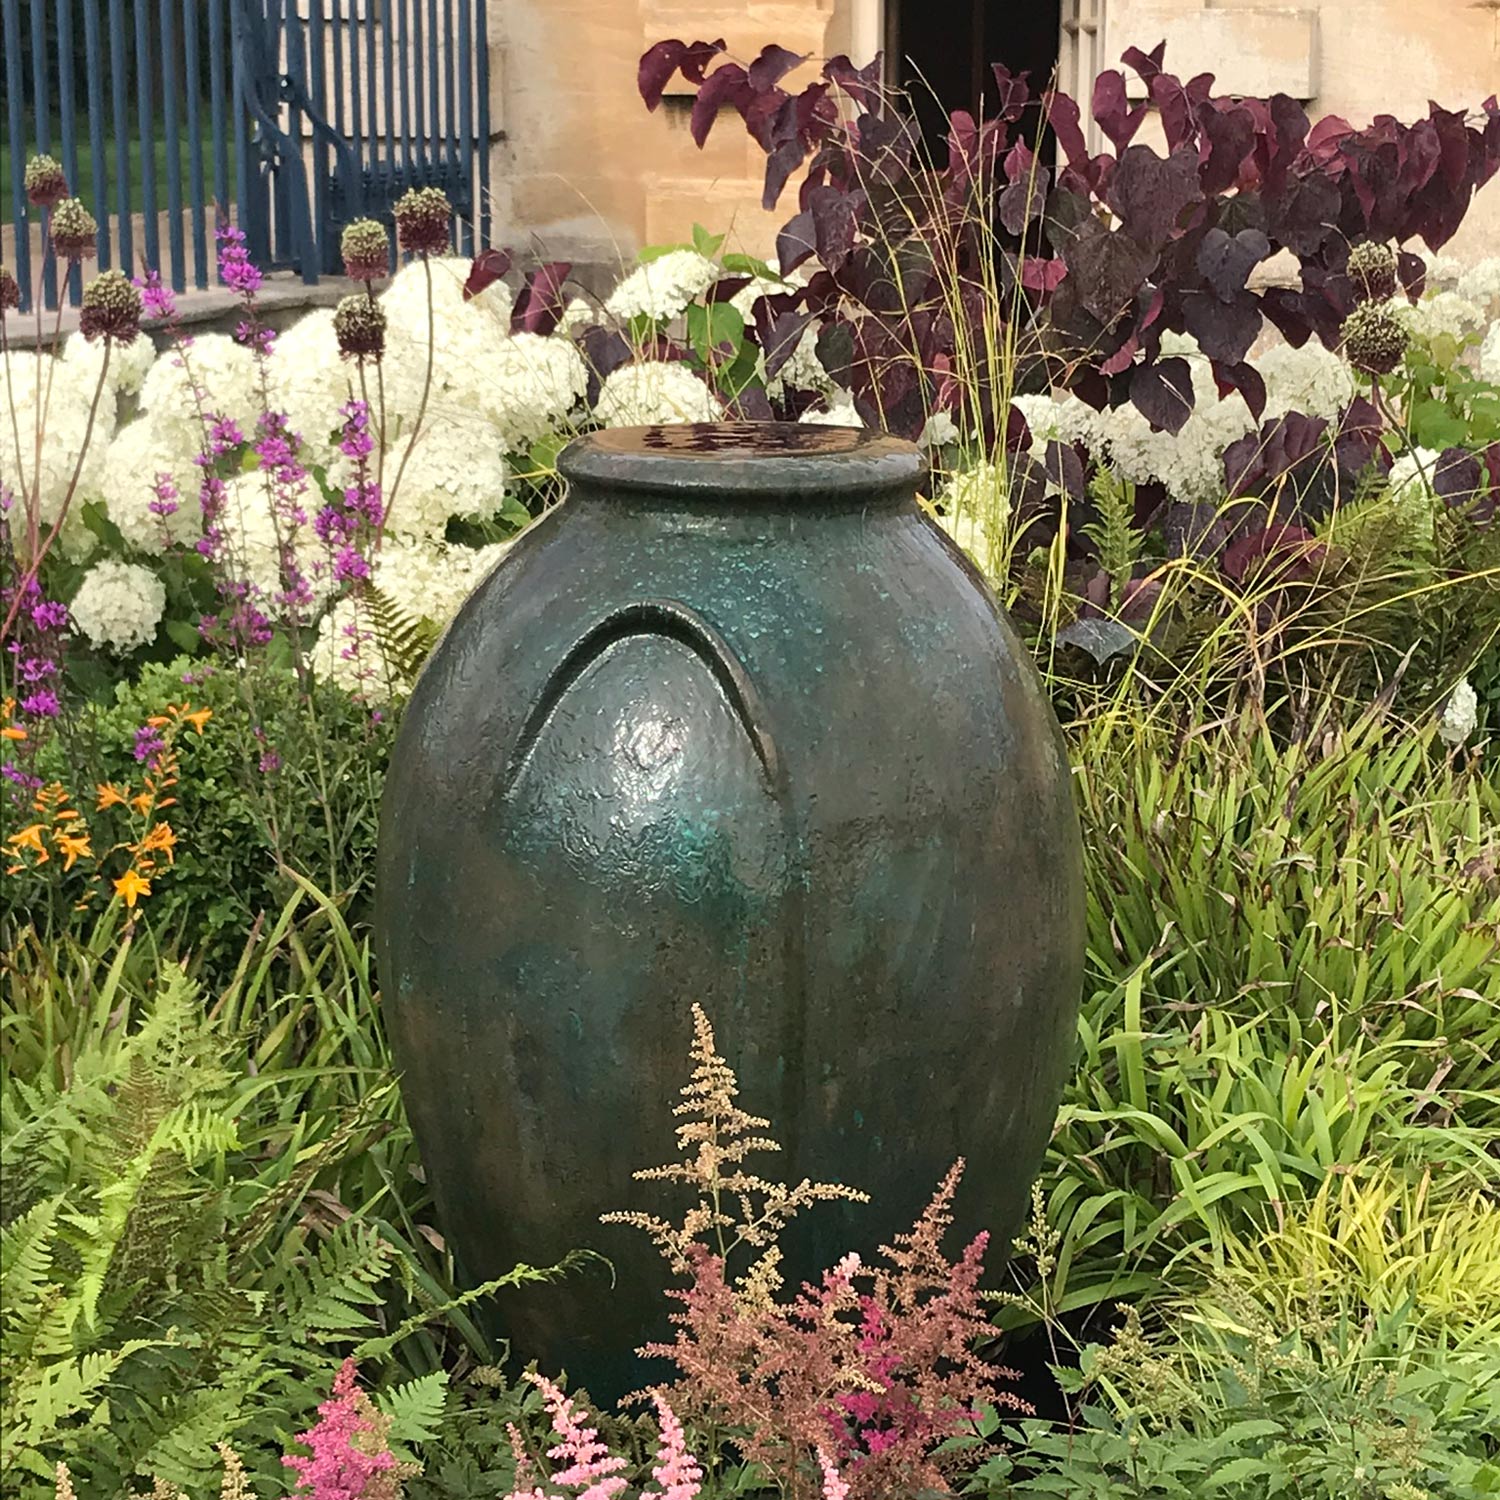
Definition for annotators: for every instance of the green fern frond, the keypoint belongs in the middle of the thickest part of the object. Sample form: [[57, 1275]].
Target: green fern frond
[[416, 1407], [1115, 534], [405, 640]]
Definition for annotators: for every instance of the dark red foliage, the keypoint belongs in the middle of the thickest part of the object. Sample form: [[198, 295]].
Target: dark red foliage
[[1241, 180]]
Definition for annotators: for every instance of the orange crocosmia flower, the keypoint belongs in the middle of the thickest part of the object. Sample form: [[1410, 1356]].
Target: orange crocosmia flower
[[130, 887], [15, 732], [161, 837], [29, 838], [110, 795], [142, 801], [199, 718], [72, 846]]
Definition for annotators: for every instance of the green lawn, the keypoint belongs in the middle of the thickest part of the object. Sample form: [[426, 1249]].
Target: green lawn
[[84, 186]]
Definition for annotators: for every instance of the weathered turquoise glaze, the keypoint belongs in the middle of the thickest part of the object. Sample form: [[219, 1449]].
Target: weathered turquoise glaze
[[735, 724]]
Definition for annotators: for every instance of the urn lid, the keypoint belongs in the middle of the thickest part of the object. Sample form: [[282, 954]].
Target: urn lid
[[744, 461]]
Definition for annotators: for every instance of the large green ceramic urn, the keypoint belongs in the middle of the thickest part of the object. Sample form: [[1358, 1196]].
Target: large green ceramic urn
[[735, 724]]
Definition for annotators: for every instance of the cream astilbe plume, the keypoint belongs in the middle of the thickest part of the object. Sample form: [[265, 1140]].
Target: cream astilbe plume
[[714, 1140]]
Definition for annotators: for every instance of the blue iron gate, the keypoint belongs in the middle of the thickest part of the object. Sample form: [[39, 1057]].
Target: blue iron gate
[[288, 117]]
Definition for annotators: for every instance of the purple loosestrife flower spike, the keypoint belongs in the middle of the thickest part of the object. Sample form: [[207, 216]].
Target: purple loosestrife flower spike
[[74, 230], [111, 309], [42, 704], [46, 183], [366, 249], [149, 743], [156, 298], [236, 270], [422, 217]]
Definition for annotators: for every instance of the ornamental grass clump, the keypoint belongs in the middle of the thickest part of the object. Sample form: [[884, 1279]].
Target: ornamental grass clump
[[851, 1385]]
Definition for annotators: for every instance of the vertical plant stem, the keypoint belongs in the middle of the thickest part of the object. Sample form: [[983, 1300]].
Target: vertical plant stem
[[421, 408], [62, 514]]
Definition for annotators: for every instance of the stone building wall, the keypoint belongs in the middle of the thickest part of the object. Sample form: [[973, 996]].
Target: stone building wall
[[588, 173]]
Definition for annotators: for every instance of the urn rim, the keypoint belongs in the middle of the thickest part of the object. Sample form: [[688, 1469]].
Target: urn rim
[[768, 462]]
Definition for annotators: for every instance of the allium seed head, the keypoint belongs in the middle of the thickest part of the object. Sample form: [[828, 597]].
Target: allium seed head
[[46, 184], [359, 326], [1372, 269], [422, 221], [10, 291], [1374, 340], [366, 250], [111, 309], [73, 229]]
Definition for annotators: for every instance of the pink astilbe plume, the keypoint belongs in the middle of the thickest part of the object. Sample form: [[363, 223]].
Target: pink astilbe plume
[[589, 1469], [350, 1458], [676, 1470], [834, 1487]]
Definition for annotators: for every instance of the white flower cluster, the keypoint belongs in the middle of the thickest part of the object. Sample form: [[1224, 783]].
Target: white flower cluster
[[655, 392], [212, 373], [839, 411], [662, 288], [455, 467], [133, 463], [1312, 379], [310, 383], [1480, 284], [33, 385], [128, 363], [118, 605], [528, 387], [261, 546], [1489, 354], [422, 581], [1460, 716], [1438, 313]]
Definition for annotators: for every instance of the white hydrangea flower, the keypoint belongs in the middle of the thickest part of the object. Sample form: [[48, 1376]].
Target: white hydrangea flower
[[579, 313], [310, 383], [128, 363], [140, 453], [1460, 716], [938, 430], [423, 581], [457, 468], [528, 385], [655, 393], [1312, 379], [256, 539], [1443, 271], [744, 300], [978, 491], [661, 288], [803, 371], [1480, 284], [840, 412], [40, 380], [462, 334], [1489, 355], [223, 371], [1059, 419], [346, 652], [1409, 482], [118, 605], [1189, 463], [1436, 314]]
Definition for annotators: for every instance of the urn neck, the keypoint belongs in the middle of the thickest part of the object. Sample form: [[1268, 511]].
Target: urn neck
[[784, 466]]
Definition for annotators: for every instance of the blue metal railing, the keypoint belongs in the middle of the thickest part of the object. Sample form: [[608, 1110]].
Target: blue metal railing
[[288, 117]]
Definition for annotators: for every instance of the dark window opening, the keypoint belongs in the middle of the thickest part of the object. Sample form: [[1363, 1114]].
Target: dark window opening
[[940, 52]]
